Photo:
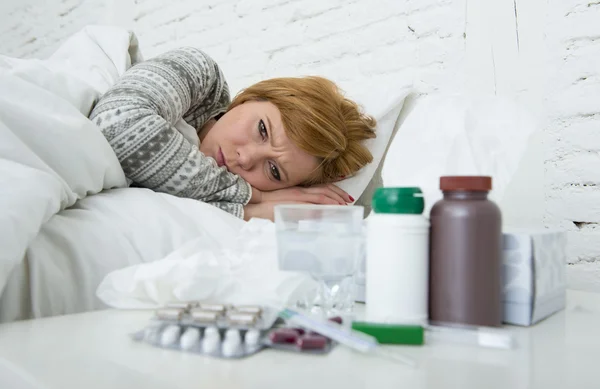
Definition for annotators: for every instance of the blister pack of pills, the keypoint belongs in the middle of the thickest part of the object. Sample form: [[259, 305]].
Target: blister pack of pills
[[217, 330], [296, 339], [211, 341], [197, 314], [227, 331]]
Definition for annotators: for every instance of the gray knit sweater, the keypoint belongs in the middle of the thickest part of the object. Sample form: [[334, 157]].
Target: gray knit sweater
[[138, 114]]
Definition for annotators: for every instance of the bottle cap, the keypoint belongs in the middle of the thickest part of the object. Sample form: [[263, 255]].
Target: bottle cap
[[467, 183], [398, 200]]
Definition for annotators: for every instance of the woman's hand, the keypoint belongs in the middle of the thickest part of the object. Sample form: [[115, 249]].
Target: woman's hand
[[316, 194], [257, 196], [262, 204]]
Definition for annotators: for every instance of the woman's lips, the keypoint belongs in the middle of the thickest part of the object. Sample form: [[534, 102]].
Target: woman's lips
[[221, 158]]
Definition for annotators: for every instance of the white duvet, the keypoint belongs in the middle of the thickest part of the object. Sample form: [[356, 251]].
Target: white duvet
[[66, 218]]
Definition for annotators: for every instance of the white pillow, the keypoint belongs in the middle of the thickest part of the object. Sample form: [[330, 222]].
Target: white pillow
[[384, 103], [463, 136]]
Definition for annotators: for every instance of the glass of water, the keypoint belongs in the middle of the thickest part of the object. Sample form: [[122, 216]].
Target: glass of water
[[327, 242]]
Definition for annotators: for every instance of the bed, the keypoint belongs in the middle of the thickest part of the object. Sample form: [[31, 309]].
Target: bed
[[68, 215]]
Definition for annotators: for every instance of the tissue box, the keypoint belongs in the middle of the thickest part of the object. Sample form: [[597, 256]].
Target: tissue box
[[534, 267]]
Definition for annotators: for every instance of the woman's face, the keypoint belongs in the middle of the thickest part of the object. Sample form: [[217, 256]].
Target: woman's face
[[251, 142]]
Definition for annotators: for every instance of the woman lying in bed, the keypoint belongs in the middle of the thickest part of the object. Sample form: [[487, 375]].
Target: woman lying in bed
[[282, 140]]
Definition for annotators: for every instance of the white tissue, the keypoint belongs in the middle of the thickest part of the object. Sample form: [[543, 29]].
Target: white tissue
[[244, 272]]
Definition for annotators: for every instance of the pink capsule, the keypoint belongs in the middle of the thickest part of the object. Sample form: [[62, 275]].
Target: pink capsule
[[283, 335], [336, 319], [312, 342], [299, 330]]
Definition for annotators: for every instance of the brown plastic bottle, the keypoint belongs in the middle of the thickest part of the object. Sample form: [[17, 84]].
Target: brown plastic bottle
[[465, 254]]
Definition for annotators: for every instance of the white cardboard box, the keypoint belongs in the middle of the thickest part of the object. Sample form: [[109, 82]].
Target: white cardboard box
[[534, 275]]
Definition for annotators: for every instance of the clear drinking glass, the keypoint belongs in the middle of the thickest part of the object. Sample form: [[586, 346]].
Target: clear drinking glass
[[327, 242]]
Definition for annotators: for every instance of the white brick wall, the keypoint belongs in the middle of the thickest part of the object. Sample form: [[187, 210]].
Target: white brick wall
[[253, 39], [545, 53], [573, 133]]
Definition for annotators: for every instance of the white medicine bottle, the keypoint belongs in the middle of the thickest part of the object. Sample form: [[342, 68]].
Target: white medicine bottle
[[397, 270]]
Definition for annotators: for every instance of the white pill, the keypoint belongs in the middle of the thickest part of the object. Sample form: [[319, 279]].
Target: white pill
[[151, 334], [251, 337], [233, 335], [170, 335], [190, 338], [230, 348], [212, 332], [210, 344]]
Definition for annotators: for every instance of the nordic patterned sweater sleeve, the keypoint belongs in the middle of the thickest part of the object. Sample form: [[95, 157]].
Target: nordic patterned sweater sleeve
[[137, 116]]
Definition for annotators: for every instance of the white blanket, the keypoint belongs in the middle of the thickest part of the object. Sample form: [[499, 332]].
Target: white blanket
[[51, 155], [57, 241]]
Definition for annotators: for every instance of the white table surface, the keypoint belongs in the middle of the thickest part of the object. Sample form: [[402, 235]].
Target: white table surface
[[93, 350]]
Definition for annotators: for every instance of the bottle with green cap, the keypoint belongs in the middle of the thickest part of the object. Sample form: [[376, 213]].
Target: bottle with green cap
[[397, 257]]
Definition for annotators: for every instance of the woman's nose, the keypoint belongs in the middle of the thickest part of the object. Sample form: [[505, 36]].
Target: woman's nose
[[246, 158]]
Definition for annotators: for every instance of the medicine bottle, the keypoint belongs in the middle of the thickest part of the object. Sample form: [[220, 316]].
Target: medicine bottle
[[465, 254], [397, 257]]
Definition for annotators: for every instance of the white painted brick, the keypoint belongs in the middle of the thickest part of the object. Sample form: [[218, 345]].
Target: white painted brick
[[42, 25], [573, 151], [271, 16], [566, 7], [421, 5], [387, 59], [575, 169], [249, 7], [351, 18], [580, 134], [312, 8], [433, 49], [574, 204], [581, 98], [580, 21], [444, 20], [155, 17], [244, 67], [270, 41], [222, 34], [584, 276], [205, 18], [332, 69], [164, 35], [578, 67], [220, 53], [583, 245], [144, 7], [391, 33]]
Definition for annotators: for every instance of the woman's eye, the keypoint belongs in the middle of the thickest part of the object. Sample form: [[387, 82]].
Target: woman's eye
[[262, 129], [274, 171]]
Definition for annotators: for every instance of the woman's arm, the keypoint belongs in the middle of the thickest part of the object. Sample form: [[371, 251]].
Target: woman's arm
[[137, 116], [262, 204]]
